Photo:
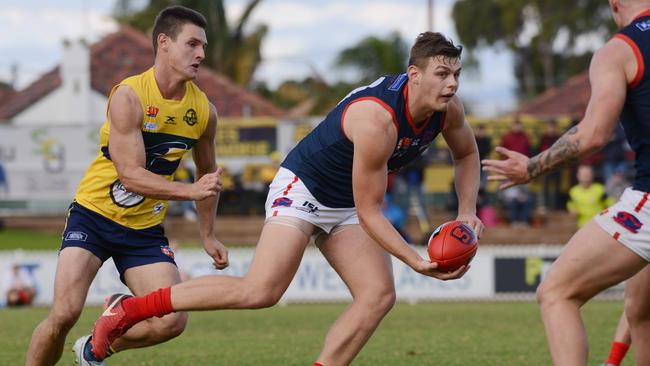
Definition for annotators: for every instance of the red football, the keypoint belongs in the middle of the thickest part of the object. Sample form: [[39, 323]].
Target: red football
[[452, 245]]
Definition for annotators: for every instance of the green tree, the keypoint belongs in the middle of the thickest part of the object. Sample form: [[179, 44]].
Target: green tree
[[232, 49], [542, 34], [374, 57]]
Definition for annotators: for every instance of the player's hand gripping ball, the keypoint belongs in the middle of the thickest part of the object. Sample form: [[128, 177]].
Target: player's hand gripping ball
[[452, 245]]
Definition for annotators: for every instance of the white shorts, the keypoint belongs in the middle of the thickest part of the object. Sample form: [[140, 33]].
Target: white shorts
[[628, 221], [288, 196]]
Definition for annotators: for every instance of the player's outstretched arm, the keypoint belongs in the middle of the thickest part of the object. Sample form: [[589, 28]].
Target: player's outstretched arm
[[126, 148], [467, 175], [374, 135], [204, 155], [609, 74]]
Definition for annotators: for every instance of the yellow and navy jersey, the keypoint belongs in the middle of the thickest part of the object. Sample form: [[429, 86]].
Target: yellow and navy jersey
[[169, 129]]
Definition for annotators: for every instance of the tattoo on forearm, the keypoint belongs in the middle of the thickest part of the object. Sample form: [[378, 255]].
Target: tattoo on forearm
[[563, 152]]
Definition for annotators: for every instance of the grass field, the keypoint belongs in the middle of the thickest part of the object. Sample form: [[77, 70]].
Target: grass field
[[11, 239], [446, 333]]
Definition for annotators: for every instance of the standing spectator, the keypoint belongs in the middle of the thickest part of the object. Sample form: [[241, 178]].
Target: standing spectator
[[616, 184], [484, 144], [587, 198], [18, 286], [516, 139], [614, 153], [518, 200], [551, 183]]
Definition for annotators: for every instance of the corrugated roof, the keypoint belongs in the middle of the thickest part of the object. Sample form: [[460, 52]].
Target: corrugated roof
[[567, 100]]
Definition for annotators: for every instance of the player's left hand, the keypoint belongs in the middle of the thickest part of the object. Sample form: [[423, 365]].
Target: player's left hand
[[473, 221], [510, 171], [217, 251], [431, 269]]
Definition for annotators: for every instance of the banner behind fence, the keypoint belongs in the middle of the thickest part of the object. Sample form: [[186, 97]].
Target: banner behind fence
[[497, 272]]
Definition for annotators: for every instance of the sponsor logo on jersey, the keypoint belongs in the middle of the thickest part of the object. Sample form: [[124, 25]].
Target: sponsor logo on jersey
[[643, 26], [282, 202], [398, 82], [167, 251], [158, 208], [76, 236], [122, 197], [171, 120], [308, 207], [150, 126], [628, 221], [152, 111]]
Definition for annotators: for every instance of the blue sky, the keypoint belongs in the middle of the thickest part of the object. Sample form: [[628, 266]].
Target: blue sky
[[304, 35]]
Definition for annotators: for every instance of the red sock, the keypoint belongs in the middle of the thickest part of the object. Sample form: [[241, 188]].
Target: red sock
[[318, 364], [617, 353], [157, 303]]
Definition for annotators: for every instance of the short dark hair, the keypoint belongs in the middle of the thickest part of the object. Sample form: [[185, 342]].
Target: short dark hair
[[170, 21], [432, 44]]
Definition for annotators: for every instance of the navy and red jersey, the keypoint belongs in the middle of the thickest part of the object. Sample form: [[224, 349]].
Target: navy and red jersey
[[635, 116], [323, 159]]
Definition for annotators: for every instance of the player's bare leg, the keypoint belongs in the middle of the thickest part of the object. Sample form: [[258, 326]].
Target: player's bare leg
[[141, 281], [276, 260], [367, 271], [637, 310], [76, 269], [591, 262], [622, 333]]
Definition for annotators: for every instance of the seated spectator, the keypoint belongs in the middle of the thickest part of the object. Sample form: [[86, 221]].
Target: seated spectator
[[19, 286], [484, 144], [587, 198], [519, 201], [551, 181]]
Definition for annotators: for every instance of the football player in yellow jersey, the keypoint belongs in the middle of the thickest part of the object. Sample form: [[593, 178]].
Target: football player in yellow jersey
[[152, 120]]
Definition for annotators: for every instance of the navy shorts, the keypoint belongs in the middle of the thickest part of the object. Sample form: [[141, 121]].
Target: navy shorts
[[105, 238]]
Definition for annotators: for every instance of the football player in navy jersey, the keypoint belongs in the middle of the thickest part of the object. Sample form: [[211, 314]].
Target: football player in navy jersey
[[615, 245], [331, 186]]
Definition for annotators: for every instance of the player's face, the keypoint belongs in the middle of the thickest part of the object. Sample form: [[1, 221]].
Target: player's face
[[188, 50], [439, 81]]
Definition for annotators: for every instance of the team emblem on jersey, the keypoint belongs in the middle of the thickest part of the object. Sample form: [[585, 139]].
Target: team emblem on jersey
[[282, 202], [167, 251], [158, 157], [122, 197], [628, 221], [404, 143], [190, 117]]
